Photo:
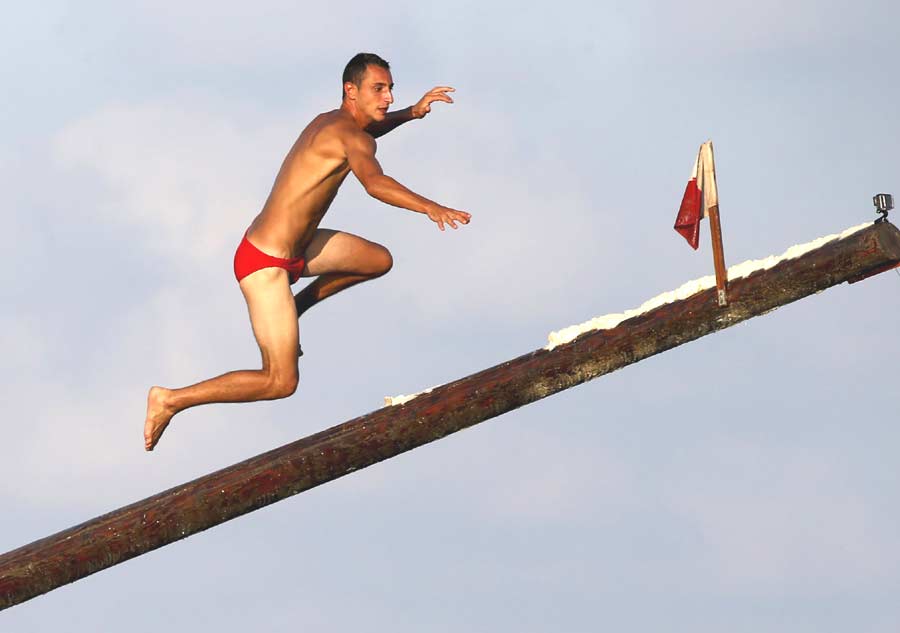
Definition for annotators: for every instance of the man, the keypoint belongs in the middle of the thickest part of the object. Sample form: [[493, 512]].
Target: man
[[284, 242]]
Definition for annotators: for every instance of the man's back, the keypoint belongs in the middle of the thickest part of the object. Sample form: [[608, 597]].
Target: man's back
[[306, 184]]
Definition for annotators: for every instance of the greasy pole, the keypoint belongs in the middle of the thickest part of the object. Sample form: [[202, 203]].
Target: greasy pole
[[218, 497]]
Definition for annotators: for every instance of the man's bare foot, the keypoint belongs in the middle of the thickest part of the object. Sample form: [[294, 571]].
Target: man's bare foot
[[159, 413]]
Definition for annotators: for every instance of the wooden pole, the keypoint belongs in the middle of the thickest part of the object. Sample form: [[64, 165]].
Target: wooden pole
[[218, 497], [715, 230]]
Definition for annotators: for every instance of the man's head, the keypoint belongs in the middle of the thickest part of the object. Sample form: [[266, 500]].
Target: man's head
[[368, 84]]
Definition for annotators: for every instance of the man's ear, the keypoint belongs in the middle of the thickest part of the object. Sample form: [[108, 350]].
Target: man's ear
[[350, 90]]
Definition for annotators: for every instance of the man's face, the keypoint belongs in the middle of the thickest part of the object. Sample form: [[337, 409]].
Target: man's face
[[374, 95]]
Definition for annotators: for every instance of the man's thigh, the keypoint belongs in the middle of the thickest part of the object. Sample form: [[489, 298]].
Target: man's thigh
[[333, 251], [273, 315]]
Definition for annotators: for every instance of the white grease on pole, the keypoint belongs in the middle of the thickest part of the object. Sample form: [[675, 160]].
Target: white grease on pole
[[609, 321], [390, 401]]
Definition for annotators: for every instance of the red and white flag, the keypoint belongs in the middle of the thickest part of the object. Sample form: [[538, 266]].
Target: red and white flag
[[699, 195]]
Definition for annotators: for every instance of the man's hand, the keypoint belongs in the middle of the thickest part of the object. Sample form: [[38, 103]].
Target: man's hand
[[438, 93], [446, 215]]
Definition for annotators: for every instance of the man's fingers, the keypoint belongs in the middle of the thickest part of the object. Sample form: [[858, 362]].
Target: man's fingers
[[432, 98], [450, 217], [438, 93]]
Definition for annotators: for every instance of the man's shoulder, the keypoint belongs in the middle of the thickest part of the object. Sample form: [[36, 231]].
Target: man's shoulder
[[335, 125]]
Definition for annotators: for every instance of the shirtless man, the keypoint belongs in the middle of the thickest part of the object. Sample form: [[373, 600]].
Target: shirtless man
[[284, 242]]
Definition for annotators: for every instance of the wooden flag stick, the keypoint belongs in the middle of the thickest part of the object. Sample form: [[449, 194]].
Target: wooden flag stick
[[715, 229]]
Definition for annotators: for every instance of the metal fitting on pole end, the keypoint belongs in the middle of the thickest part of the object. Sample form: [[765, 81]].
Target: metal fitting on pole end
[[883, 202]]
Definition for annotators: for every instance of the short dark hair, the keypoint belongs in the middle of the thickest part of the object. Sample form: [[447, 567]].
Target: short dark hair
[[356, 68]]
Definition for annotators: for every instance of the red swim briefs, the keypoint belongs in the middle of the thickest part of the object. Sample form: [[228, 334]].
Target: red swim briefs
[[248, 259]]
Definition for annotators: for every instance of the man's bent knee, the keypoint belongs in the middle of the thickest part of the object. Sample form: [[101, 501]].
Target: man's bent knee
[[282, 385], [382, 262]]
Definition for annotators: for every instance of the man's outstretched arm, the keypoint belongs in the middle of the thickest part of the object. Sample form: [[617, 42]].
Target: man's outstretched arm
[[391, 120], [417, 111], [361, 157]]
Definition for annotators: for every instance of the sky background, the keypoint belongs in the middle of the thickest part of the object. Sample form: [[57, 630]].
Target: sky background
[[747, 481]]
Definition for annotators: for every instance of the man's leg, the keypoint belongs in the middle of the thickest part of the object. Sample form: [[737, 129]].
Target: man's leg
[[340, 260], [273, 317]]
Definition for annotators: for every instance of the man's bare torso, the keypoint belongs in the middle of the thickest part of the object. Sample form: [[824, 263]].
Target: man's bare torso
[[306, 184]]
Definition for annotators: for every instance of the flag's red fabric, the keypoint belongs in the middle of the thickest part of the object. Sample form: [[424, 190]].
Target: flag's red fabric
[[699, 195], [689, 214]]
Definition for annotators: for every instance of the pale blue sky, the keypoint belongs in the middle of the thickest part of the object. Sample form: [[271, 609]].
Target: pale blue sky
[[743, 482]]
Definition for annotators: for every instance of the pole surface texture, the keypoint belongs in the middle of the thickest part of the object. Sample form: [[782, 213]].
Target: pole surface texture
[[218, 497]]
